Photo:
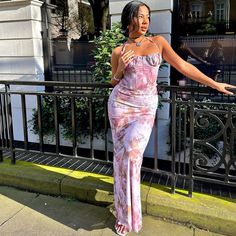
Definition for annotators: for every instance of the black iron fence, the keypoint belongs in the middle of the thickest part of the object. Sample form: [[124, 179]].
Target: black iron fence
[[201, 139], [72, 73]]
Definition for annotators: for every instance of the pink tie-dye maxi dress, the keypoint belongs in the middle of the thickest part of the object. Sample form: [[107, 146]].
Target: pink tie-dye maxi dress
[[132, 108]]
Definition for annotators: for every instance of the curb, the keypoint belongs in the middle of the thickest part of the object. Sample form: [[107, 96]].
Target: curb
[[209, 212], [213, 213]]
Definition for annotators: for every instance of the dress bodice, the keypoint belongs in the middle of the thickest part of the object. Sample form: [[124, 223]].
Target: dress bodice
[[140, 75], [138, 87]]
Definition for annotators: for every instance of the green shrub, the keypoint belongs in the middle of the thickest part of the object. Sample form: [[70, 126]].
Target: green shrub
[[104, 44]]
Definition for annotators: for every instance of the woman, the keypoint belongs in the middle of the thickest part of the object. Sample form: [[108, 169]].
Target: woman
[[132, 106], [215, 56]]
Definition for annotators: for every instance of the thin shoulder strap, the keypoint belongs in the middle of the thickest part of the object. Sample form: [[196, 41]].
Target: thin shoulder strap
[[123, 47], [156, 44]]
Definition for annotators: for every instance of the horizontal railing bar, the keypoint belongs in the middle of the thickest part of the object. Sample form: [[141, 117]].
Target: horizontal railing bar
[[158, 171], [59, 94], [215, 111], [102, 96], [214, 181], [57, 83], [198, 89], [216, 175], [179, 102], [102, 85]]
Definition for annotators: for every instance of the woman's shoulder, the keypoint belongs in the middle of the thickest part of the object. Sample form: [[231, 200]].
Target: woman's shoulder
[[158, 39], [116, 51]]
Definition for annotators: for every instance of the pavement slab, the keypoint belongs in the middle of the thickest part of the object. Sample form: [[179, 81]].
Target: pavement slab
[[28, 214], [199, 232], [9, 207], [47, 215]]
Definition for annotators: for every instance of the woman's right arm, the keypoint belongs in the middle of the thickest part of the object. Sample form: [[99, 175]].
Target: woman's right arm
[[116, 75]]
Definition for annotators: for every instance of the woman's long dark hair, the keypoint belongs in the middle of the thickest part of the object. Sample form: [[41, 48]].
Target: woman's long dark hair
[[129, 12]]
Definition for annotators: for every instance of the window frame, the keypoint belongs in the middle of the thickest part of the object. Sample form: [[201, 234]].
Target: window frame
[[216, 4]]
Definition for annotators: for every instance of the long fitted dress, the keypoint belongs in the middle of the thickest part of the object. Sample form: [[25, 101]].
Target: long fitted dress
[[132, 108]]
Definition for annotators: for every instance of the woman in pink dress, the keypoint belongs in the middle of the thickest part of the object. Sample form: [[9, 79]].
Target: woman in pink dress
[[132, 106]]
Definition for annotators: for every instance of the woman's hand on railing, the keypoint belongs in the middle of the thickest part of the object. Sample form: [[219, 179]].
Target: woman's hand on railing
[[227, 89], [233, 90]]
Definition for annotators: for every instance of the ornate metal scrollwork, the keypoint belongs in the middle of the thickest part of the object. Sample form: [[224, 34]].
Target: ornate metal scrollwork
[[208, 129], [211, 129], [203, 162], [202, 121]]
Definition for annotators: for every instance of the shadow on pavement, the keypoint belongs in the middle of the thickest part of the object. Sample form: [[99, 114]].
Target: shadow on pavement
[[68, 211]]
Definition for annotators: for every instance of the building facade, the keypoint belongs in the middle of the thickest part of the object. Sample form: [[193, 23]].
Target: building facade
[[22, 36], [195, 14]]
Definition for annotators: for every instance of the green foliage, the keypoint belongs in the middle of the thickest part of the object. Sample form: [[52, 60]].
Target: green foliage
[[82, 106], [104, 44], [207, 28], [47, 118]]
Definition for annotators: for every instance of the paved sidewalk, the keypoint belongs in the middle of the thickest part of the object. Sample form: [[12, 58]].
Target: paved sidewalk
[[215, 213], [30, 214]]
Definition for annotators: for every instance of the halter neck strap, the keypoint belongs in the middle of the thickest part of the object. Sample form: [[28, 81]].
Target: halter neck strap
[[148, 38], [156, 44], [123, 47]]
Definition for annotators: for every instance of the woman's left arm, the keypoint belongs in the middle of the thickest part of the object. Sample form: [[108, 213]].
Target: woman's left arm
[[188, 69]]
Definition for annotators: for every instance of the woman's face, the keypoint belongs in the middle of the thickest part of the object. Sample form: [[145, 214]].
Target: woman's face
[[140, 23]]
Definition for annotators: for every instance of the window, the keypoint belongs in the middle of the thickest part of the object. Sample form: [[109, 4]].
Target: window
[[196, 10], [220, 11], [204, 17]]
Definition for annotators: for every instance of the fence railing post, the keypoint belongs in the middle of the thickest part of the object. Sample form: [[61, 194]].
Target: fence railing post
[[1, 129], [10, 122], [191, 154], [56, 124], [24, 120], [91, 128], [156, 142], [173, 140], [73, 123], [40, 122]]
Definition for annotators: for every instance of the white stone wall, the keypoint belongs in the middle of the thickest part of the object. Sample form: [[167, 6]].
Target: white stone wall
[[20, 40], [21, 52]]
